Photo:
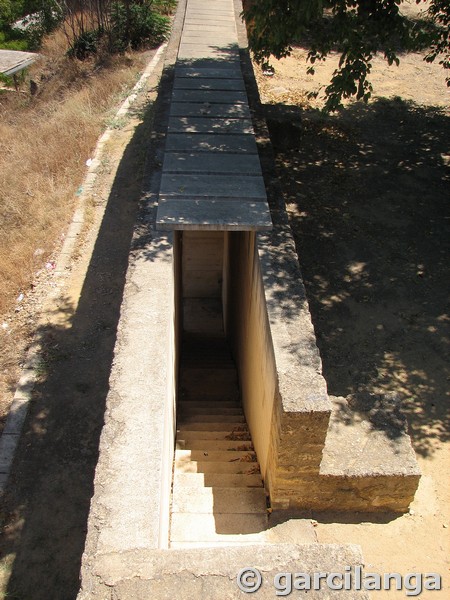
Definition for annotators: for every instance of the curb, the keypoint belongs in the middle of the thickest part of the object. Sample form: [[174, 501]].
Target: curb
[[19, 407]]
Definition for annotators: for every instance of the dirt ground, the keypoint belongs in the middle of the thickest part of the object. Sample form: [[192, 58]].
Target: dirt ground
[[368, 197], [44, 513], [367, 192]]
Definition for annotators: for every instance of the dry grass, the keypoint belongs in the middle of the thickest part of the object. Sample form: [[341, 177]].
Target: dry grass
[[45, 141]]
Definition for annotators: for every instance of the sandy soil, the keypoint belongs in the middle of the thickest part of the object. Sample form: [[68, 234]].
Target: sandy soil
[[368, 196]]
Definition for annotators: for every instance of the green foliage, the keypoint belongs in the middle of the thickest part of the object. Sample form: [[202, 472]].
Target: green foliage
[[440, 45], [5, 13], [11, 40], [115, 25], [135, 25], [358, 29], [84, 45]]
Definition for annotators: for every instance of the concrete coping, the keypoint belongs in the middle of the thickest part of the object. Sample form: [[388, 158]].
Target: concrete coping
[[212, 572], [208, 88], [13, 61]]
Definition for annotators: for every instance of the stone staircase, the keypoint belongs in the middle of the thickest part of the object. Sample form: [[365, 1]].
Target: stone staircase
[[218, 494]]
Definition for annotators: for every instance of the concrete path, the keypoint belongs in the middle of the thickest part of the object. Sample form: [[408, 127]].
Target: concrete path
[[211, 172]]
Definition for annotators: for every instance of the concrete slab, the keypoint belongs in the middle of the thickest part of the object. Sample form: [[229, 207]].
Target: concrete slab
[[220, 215], [206, 63], [209, 96], [212, 186], [186, 83], [213, 39], [207, 109], [358, 447], [208, 73], [13, 61], [219, 17], [199, 29], [209, 142], [217, 53], [192, 438], [210, 572], [209, 125], [199, 162]]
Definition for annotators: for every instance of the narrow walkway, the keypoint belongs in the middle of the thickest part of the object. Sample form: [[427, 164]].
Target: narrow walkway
[[218, 494], [211, 180], [211, 172]]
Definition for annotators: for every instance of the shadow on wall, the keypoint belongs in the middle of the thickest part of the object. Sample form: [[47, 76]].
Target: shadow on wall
[[367, 192]]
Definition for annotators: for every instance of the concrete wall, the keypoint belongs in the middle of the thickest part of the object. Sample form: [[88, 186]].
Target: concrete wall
[[288, 424], [202, 264], [248, 329]]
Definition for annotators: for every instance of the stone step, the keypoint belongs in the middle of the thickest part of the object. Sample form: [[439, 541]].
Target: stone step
[[217, 456], [294, 531], [213, 396], [208, 377], [236, 468], [234, 418], [195, 393], [186, 410], [204, 435], [218, 527], [215, 445], [220, 543], [186, 483], [188, 394], [213, 404], [231, 427], [227, 500]]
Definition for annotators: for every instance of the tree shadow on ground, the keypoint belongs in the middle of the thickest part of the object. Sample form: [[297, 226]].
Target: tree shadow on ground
[[47, 503], [367, 193]]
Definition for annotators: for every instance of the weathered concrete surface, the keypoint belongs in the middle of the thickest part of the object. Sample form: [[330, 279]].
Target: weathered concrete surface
[[212, 186], [202, 109], [13, 61], [213, 214], [208, 90], [211, 572], [205, 142], [195, 162], [211, 125], [129, 471]]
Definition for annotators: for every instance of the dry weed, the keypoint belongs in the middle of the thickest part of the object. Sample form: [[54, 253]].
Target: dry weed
[[45, 140]]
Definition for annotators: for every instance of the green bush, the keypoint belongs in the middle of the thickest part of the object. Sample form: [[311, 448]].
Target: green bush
[[48, 18], [84, 45], [12, 40], [137, 25]]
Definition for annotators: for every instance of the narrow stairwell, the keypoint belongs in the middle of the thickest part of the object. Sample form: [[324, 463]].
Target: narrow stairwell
[[218, 494]]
